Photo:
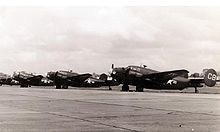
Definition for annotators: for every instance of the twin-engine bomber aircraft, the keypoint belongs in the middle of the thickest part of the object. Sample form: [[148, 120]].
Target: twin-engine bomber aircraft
[[143, 77], [5, 79], [29, 79], [63, 79]]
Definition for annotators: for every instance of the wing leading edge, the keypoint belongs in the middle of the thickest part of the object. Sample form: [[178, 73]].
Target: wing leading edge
[[167, 74]]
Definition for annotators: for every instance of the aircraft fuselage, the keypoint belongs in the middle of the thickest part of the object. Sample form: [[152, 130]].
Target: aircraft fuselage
[[141, 77]]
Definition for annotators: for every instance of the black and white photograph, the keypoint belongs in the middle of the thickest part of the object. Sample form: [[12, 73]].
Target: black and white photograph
[[109, 66]]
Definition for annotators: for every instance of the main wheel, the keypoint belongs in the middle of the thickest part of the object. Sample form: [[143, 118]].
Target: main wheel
[[24, 85], [139, 89], [196, 90], [58, 86], [125, 88], [65, 86]]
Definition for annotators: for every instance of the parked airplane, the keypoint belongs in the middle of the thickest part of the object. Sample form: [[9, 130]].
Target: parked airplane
[[5, 79], [100, 80], [143, 77], [63, 79], [29, 79]]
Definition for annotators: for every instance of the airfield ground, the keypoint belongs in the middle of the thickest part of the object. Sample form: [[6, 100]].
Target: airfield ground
[[39, 109]]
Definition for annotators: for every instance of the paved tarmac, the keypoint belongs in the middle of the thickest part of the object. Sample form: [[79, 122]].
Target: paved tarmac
[[73, 110]]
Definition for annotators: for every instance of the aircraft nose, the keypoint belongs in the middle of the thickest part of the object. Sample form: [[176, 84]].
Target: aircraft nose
[[113, 72], [50, 75], [16, 74], [116, 71]]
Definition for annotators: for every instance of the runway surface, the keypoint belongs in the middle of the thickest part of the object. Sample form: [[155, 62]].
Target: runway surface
[[67, 110]]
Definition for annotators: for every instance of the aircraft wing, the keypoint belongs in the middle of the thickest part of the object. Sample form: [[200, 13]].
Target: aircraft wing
[[94, 80], [81, 77], [166, 75], [35, 77]]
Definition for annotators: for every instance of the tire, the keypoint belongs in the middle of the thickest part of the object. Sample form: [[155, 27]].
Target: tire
[[58, 86], [24, 85], [64, 86], [139, 89], [125, 88]]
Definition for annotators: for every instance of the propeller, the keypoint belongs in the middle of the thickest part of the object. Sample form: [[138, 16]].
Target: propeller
[[112, 66], [111, 70]]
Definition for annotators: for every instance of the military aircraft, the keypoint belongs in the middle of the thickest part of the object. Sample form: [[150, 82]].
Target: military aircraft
[[63, 79], [100, 80], [29, 79], [5, 79], [143, 77]]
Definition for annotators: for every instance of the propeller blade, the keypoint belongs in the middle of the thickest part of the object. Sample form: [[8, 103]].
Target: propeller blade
[[112, 66], [111, 70]]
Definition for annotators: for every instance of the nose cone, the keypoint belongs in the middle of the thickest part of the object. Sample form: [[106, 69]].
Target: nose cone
[[114, 71], [15, 75], [118, 71], [119, 74], [51, 75]]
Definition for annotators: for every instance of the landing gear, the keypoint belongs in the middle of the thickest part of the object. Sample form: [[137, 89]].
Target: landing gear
[[109, 88], [196, 90], [125, 88], [139, 89], [58, 86], [24, 85], [65, 86]]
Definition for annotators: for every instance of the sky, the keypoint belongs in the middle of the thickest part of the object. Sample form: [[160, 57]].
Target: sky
[[90, 38]]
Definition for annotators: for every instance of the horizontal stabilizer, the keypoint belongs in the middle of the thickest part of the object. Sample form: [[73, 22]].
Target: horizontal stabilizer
[[210, 78]]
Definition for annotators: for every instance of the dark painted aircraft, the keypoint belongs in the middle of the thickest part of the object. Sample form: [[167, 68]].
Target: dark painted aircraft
[[143, 77], [63, 79], [100, 80], [29, 79], [5, 79]]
